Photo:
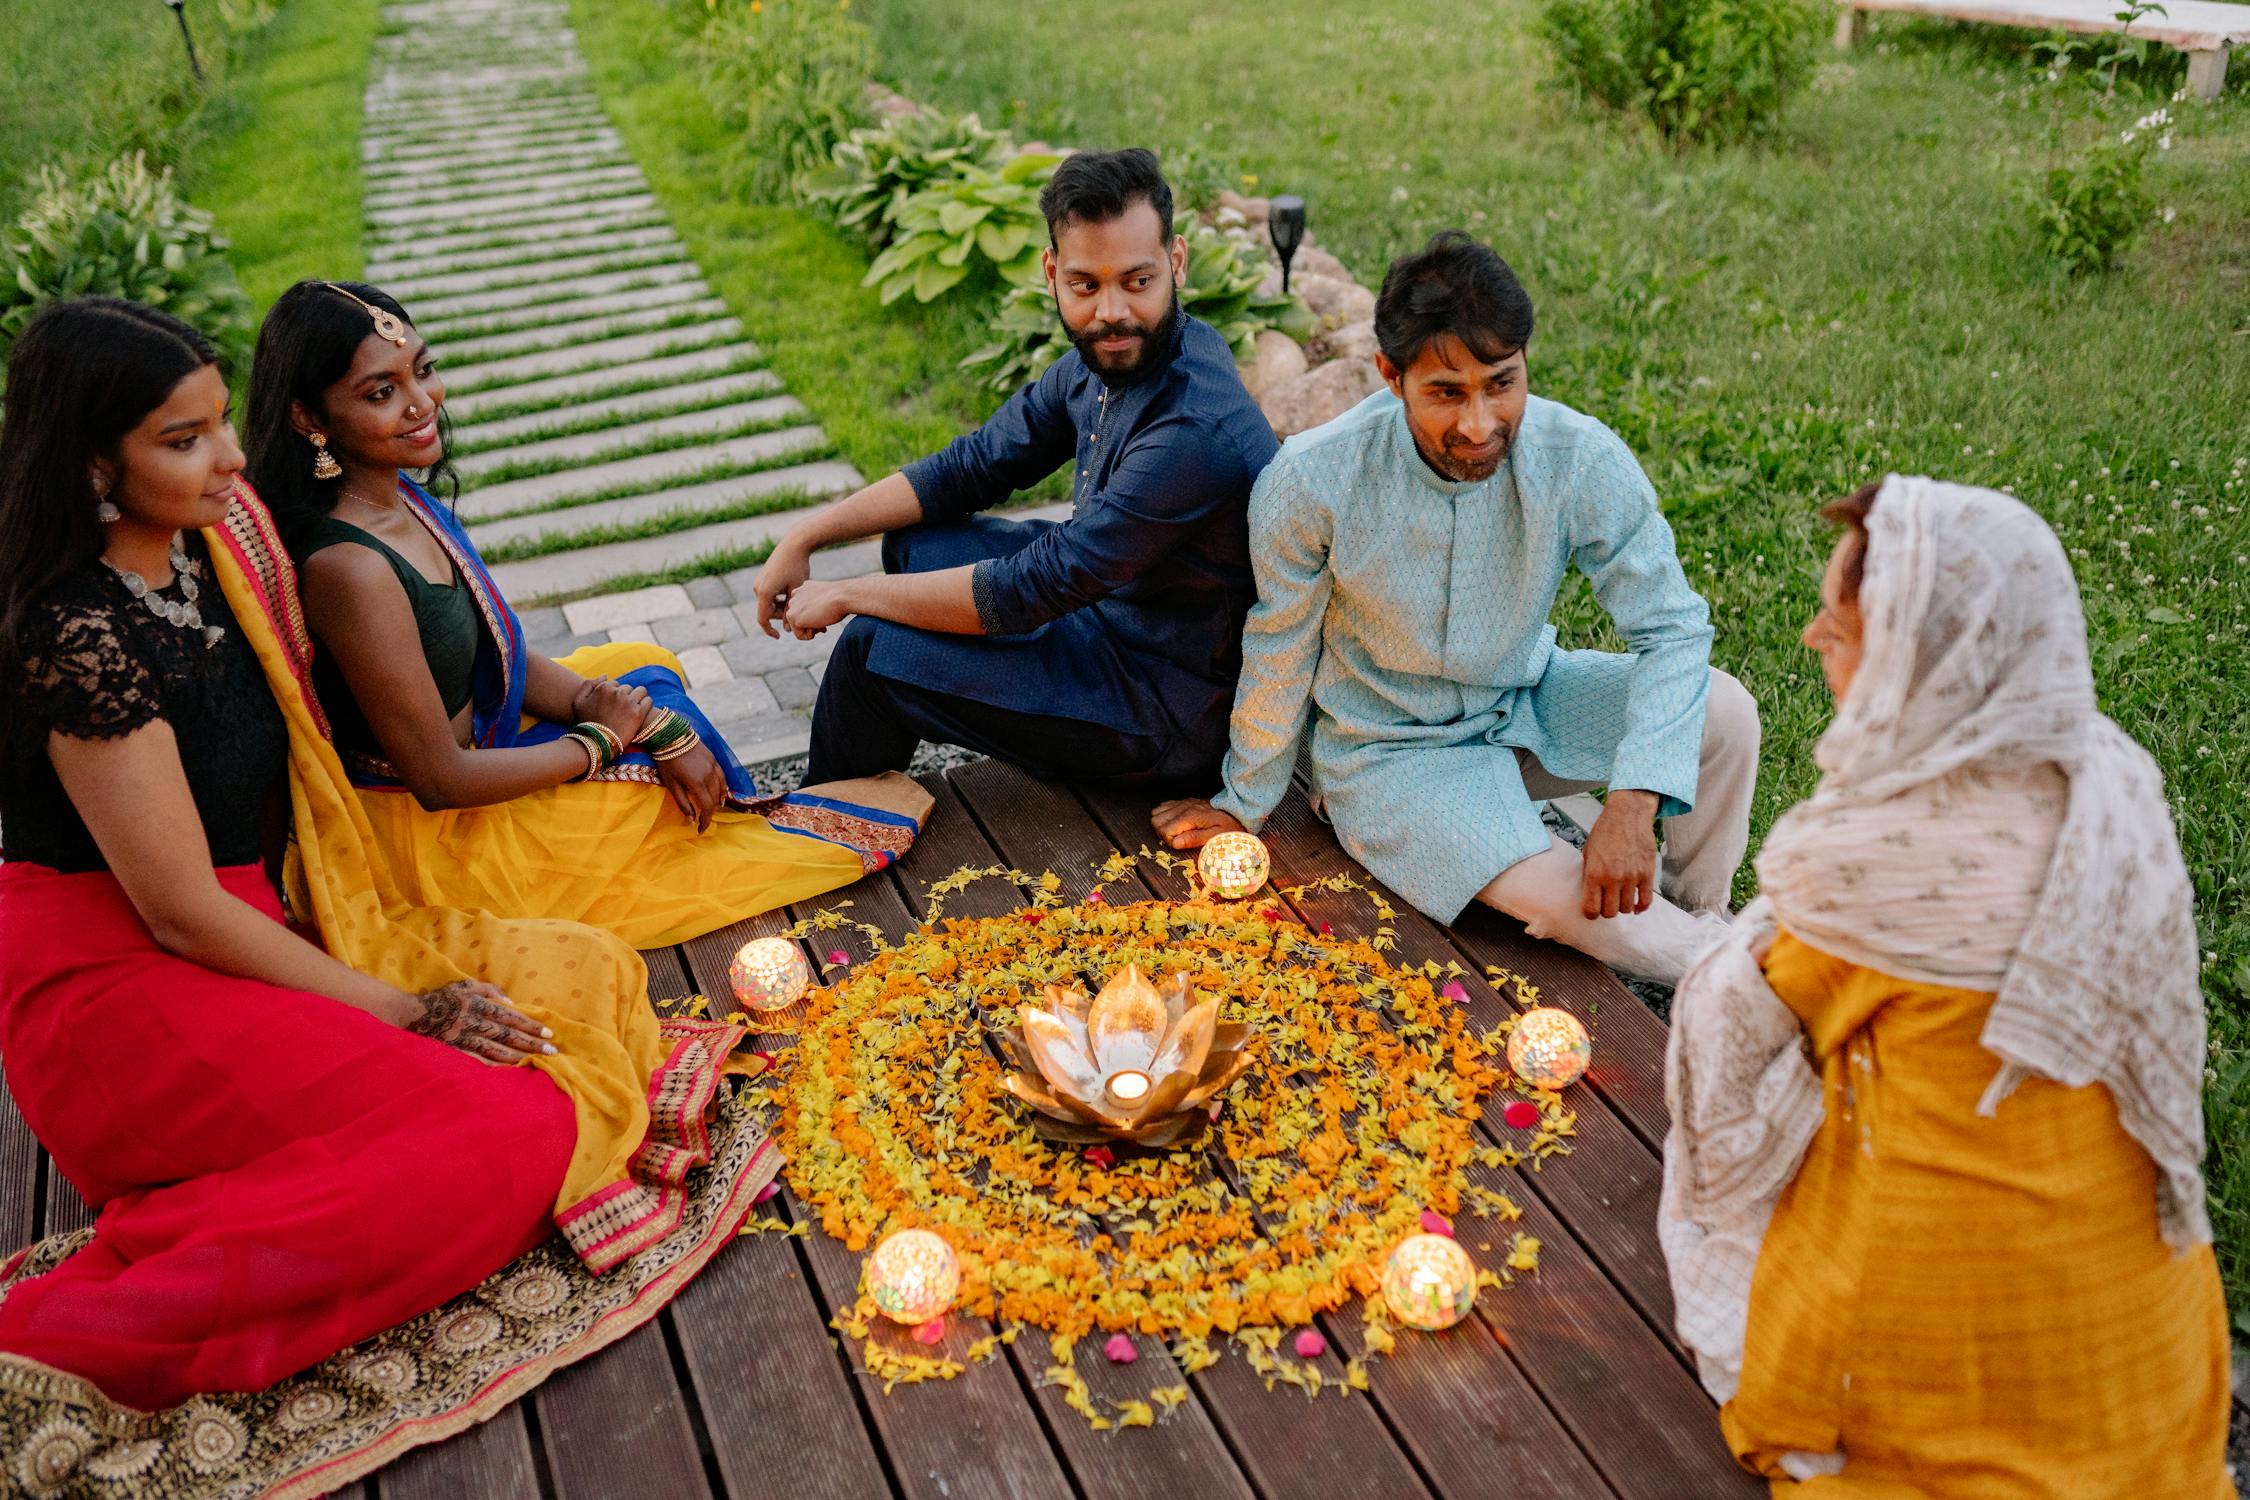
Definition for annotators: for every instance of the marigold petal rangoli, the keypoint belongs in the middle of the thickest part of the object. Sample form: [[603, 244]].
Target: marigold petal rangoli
[[1357, 1111]]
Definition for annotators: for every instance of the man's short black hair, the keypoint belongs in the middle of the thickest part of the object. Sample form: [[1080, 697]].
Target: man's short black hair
[[1451, 285], [1093, 187]]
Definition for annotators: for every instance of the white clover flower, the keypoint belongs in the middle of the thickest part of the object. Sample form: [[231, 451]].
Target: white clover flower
[[2164, 141], [2169, 215]]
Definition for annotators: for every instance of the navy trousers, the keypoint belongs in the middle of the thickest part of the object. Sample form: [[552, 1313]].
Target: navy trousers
[[866, 721]]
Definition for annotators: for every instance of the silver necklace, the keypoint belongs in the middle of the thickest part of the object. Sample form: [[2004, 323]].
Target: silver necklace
[[182, 611]]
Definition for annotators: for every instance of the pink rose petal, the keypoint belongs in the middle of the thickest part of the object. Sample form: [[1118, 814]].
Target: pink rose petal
[[1270, 914], [1434, 1222], [1310, 1345], [932, 1332], [1326, 930], [1096, 896], [1454, 992], [1120, 1349], [1101, 1156], [768, 1193], [839, 956], [1521, 1113]]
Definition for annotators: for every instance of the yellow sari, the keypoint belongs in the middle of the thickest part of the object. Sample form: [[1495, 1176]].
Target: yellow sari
[[641, 1089]]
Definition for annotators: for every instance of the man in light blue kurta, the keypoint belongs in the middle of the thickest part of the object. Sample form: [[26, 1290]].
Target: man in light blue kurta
[[1408, 555]]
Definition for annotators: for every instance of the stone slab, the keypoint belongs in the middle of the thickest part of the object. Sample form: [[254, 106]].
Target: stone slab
[[592, 383], [552, 277], [506, 189], [706, 627], [793, 687], [563, 216], [704, 667], [690, 396], [736, 697], [595, 354], [489, 146], [580, 330], [533, 294], [672, 506], [645, 473], [775, 737], [600, 149], [521, 118], [479, 241], [398, 186], [488, 207], [592, 447], [637, 630], [709, 594], [589, 615], [754, 654], [588, 569], [561, 306], [543, 624]]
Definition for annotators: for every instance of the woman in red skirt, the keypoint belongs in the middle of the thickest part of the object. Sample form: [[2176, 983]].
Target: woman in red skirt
[[289, 1154]]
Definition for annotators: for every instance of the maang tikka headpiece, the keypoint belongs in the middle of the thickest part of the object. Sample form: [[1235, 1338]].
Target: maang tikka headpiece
[[387, 325]]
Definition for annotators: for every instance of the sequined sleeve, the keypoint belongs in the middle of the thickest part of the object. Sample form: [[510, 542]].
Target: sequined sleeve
[[82, 677]]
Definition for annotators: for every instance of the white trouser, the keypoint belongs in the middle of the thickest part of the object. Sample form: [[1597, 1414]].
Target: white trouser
[[1702, 850]]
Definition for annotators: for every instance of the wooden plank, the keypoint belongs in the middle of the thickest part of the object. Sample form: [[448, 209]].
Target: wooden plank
[[1610, 1192], [66, 1211], [19, 1178], [1288, 1445], [2190, 25], [777, 1400], [977, 1435], [1187, 1448], [491, 1461], [618, 1424], [667, 975], [1593, 1329]]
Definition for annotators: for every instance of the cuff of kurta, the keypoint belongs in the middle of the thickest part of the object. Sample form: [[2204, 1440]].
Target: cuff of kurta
[[1673, 796], [985, 590], [1242, 812], [927, 477]]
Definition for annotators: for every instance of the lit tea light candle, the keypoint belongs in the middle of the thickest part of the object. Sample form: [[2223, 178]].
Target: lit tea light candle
[[1549, 1048], [912, 1276], [1430, 1282], [1129, 1086], [1233, 864], [769, 973]]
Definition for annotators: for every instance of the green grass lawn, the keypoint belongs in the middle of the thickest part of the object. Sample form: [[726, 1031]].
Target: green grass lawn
[[79, 82], [1769, 327]]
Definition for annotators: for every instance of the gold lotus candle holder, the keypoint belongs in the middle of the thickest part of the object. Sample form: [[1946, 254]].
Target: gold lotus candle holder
[[1234, 864], [1136, 1063], [912, 1276], [769, 973], [1549, 1048], [1429, 1283]]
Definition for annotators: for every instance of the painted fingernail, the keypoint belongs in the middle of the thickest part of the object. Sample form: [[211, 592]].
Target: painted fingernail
[[548, 1048], [546, 1031]]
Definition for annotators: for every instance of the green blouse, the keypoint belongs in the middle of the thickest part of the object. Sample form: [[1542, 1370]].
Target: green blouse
[[445, 616]]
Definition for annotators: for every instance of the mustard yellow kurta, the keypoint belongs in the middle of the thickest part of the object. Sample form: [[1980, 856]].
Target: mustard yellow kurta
[[1970, 1307], [614, 855]]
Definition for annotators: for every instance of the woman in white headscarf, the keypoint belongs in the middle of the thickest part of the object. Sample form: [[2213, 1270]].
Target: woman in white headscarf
[[1933, 1205]]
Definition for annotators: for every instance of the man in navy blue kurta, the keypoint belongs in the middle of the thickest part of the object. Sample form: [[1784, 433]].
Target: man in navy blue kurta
[[1106, 646]]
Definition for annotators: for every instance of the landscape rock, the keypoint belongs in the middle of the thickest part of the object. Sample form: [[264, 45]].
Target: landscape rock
[[1278, 360], [1253, 210], [1313, 261], [1319, 395], [1337, 302], [1352, 341]]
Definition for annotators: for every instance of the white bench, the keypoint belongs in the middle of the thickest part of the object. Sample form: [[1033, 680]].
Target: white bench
[[2204, 30]]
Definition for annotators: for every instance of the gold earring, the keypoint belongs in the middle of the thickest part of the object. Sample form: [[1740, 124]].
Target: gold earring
[[324, 462]]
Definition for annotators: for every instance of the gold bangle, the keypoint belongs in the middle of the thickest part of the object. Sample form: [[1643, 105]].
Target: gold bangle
[[674, 751], [587, 743]]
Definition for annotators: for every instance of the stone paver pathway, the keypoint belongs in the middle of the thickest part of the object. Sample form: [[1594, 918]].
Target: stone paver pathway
[[611, 419]]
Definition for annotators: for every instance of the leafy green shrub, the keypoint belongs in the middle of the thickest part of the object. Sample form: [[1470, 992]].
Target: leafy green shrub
[[2092, 209], [1717, 70], [124, 232], [945, 233], [870, 176], [794, 73], [1224, 271]]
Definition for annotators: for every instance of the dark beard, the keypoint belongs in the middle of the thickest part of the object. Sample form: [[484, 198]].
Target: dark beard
[[1157, 341], [1447, 466]]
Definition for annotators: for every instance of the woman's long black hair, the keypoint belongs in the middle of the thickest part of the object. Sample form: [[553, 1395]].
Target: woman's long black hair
[[84, 373], [306, 345]]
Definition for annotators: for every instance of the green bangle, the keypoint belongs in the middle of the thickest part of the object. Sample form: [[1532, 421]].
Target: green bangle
[[612, 748], [671, 728]]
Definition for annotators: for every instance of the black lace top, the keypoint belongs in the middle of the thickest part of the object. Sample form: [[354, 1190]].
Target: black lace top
[[98, 664]]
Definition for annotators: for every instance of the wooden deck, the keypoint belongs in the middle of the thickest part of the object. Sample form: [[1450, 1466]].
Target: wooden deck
[[1568, 1385]]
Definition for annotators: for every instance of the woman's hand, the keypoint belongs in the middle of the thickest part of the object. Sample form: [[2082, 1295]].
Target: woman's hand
[[697, 785], [614, 706], [476, 1018]]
